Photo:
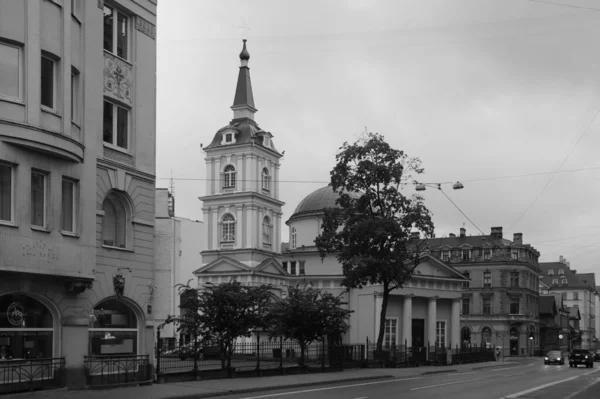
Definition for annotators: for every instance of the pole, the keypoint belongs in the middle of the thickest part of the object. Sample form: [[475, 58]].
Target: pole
[[157, 352], [258, 352], [281, 354]]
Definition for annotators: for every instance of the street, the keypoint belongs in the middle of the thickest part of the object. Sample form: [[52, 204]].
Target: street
[[530, 380]]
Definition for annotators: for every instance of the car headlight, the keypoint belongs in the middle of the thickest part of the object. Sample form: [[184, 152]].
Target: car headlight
[[558, 358], [545, 358]]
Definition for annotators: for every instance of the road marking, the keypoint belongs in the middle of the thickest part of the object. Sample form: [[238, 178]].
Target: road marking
[[511, 375], [447, 383], [336, 387], [516, 395], [362, 397]]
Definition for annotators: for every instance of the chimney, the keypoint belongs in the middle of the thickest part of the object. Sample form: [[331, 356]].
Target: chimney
[[415, 235], [518, 238], [463, 232], [452, 235], [561, 259], [496, 232]]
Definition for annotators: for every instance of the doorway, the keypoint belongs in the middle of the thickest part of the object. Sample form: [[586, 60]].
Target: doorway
[[418, 341], [514, 341]]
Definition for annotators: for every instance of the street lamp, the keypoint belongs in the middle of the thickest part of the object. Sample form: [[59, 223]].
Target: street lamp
[[423, 186]]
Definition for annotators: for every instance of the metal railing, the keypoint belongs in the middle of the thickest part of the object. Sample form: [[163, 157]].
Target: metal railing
[[117, 370], [19, 375]]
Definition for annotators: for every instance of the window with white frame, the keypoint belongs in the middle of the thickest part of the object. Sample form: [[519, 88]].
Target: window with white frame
[[563, 280], [390, 336], [293, 268], [228, 228], [515, 254], [446, 256], [575, 296], [116, 32], [69, 208], [440, 332], [487, 306], [39, 182], [561, 271], [466, 284], [554, 281], [487, 279], [115, 126], [550, 272], [11, 72], [302, 267], [229, 176], [466, 306], [48, 83], [114, 224], [466, 255], [266, 179], [6, 193], [266, 233], [266, 141], [293, 238], [75, 95], [487, 253]]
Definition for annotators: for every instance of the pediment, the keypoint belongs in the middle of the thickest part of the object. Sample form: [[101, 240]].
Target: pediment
[[431, 266], [222, 265], [271, 266], [466, 246]]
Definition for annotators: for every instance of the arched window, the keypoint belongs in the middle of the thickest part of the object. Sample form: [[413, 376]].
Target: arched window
[[563, 280], [486, 336], [266, 234], [228, 228], [229, 176], [555, 281], [465, 335], [266, 179], [26, 328], [293, 238], [551, 272], [114, 329], [114, 224], [561, 271]]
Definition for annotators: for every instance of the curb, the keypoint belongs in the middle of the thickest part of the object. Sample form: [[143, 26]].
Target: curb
[[440, 371], [276, 387], [506, 365]]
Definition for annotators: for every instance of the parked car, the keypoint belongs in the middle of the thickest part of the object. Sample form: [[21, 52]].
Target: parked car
[[581, 356], [554, 357], [597, 355]]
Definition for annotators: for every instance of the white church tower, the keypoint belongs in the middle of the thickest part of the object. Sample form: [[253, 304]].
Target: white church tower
[[242, 210]]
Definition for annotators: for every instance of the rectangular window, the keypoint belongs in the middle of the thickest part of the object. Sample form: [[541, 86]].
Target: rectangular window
[[515, 254], [487, 279], [487, 306], [440, 333], [293, 268], [285, 266], [6, 193], [48, 83], [487, 254], [576, 296], [514, 279], [116, 32], [75, 95], [564, 296], [466, 302], [466, 284], [391, 331], [514, 306], [446, 256], [466, 255], [115, 125], [38, 199], [68, 211], [302, 267], [11, 73]]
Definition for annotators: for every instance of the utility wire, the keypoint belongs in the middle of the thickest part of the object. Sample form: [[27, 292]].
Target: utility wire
[[554, 174], [564, 5], [460, 210]]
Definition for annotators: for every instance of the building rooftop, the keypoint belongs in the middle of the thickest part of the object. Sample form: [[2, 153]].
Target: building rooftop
[[573, 280], [317, 201]]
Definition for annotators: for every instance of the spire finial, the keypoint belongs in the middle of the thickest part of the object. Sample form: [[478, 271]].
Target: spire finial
[[244, 55]]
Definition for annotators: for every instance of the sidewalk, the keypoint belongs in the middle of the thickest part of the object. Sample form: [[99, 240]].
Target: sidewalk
[[215, 388]]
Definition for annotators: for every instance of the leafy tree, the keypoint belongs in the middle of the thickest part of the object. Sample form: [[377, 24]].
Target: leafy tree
[[223, 312], [370, 230], [307, 315]]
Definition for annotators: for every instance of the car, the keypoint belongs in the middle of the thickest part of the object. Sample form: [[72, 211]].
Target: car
[[597, 355], [581, 356], [554, 357]]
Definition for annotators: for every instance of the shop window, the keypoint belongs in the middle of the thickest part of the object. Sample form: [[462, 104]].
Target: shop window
[[113, 329], [26, 328]]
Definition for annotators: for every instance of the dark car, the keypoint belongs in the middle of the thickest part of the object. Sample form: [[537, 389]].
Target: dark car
[[597, 355], [581, 356], [554, 357]]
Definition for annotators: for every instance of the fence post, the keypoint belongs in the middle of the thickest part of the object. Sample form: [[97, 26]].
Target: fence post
[[157, 353], [258, 353], [281, 354], [195, 358], [323, 354]]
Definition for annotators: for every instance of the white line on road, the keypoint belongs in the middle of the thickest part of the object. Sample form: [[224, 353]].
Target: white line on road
[[336, 387], [362, 397], [447, 383], [516, 395], [511, 375]]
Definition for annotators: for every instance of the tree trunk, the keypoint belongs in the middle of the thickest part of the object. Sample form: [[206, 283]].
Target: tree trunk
[[302, 345], [384, 303]]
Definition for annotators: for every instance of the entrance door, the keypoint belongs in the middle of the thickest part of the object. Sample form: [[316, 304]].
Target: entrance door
[[418, 340], [514, 342]]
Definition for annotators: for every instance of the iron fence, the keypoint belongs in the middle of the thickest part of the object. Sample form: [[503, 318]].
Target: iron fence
[[21, 375], [116, 370]]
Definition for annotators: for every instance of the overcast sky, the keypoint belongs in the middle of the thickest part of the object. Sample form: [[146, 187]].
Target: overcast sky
[[480, 90]]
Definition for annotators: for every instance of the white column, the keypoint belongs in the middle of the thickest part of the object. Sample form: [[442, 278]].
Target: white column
[[407, 321], [378, 302], [239, 231], [209, 175], [431, 320], [455, 324], [215, 230], [217, 177], [261, 215], [276, 182]]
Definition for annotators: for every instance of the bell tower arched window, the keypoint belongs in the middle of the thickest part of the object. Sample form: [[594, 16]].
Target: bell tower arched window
[[266, 179], [266, 232], [229, 177], [228, 228]]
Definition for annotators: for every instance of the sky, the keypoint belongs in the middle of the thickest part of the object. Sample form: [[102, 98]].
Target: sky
[[501, 95]]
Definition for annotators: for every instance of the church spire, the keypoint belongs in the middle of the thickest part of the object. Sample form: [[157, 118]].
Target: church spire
[[243, 103]]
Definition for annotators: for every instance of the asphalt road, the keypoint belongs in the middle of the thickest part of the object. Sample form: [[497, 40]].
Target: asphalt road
[[528, 381]]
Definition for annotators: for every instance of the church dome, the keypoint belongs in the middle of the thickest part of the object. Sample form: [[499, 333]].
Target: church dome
[[316, 202]]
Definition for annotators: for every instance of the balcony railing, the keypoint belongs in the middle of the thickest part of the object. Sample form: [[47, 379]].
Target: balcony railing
[[20, 375], [117, 370]]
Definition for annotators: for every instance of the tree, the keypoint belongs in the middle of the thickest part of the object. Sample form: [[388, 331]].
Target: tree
[[307, 315], [223, 312], [370, 229]]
